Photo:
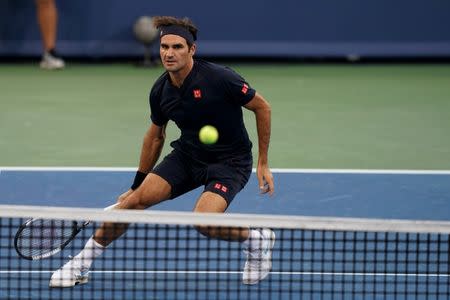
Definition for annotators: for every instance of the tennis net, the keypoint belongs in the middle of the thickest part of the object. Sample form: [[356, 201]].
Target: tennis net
[[162, 256]]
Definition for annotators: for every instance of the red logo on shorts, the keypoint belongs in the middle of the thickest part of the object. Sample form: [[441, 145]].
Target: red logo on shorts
[[223, 188], [197, 94], [244, 89]]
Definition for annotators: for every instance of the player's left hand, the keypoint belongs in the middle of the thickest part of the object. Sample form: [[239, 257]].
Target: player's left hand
[[265, 179]]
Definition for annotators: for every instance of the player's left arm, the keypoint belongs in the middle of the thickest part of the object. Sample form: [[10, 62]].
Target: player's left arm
[[262, 111]]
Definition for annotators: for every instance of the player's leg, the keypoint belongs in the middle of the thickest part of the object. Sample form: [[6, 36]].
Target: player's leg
[[258, 242], [47, 16], [153, 190], [214, 203], [224, 181], [168, 180]]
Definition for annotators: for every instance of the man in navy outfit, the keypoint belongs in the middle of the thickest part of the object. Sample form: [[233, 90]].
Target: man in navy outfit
[[194, 93]]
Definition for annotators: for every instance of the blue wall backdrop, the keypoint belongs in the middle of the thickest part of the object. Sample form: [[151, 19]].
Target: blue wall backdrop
[[281, 28]]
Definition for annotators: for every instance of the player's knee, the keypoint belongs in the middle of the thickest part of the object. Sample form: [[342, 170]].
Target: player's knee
[[144, 199]]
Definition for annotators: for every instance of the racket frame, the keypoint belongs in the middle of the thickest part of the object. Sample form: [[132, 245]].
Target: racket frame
[[75, 230]]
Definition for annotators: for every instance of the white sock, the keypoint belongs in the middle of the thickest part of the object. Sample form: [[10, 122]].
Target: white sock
[[254, 239], [91, 250]]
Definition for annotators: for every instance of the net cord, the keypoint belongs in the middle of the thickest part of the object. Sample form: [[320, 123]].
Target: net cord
[[228, 219]]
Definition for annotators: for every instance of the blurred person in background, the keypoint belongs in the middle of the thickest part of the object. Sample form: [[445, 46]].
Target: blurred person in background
[[47, 17]]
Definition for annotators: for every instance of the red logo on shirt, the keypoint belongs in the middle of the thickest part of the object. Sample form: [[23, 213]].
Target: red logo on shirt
[[244, 89], [197, 94]]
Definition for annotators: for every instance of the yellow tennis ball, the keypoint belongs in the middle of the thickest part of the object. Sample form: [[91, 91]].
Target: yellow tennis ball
[[208, 135]]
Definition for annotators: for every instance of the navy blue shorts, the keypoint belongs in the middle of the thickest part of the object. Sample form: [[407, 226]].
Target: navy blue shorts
[[225, 178]]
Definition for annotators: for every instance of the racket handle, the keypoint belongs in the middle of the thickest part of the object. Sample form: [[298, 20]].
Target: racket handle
[[111, 206]]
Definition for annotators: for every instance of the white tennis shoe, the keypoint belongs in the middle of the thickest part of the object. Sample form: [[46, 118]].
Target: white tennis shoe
[[259, 261], [51, 62], [69, 275]]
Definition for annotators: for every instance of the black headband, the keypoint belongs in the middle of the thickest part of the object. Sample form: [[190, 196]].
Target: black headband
[[177, 30]]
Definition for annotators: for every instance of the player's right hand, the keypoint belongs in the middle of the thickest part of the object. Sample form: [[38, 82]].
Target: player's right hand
[[124, 195]]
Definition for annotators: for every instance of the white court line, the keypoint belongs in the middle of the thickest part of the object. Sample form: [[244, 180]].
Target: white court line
[[186, 272], [362, 171], [70, 169], [274, 170]]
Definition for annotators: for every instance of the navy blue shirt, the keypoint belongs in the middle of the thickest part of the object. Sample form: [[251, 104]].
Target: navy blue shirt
[[210, 95]]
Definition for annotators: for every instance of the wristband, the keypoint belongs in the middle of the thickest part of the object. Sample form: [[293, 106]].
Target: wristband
[[138, 179]]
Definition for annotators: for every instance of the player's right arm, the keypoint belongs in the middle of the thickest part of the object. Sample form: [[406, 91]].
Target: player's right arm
[[154, 137], [152, 146]]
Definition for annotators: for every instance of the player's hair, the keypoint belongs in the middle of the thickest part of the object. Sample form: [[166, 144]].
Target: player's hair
[[160, 21]]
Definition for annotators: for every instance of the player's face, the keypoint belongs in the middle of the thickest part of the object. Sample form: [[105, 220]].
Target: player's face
[[175, 53]]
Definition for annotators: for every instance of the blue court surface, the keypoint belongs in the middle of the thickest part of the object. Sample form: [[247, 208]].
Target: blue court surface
[[418, 195], [368, 194]]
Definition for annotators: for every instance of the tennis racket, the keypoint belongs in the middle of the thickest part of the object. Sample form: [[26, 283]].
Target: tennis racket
[[40, 238]]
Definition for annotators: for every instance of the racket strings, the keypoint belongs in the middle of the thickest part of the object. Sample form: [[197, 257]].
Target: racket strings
[[41, 236]]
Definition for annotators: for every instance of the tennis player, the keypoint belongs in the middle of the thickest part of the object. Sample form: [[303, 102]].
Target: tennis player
[[193, 93]]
